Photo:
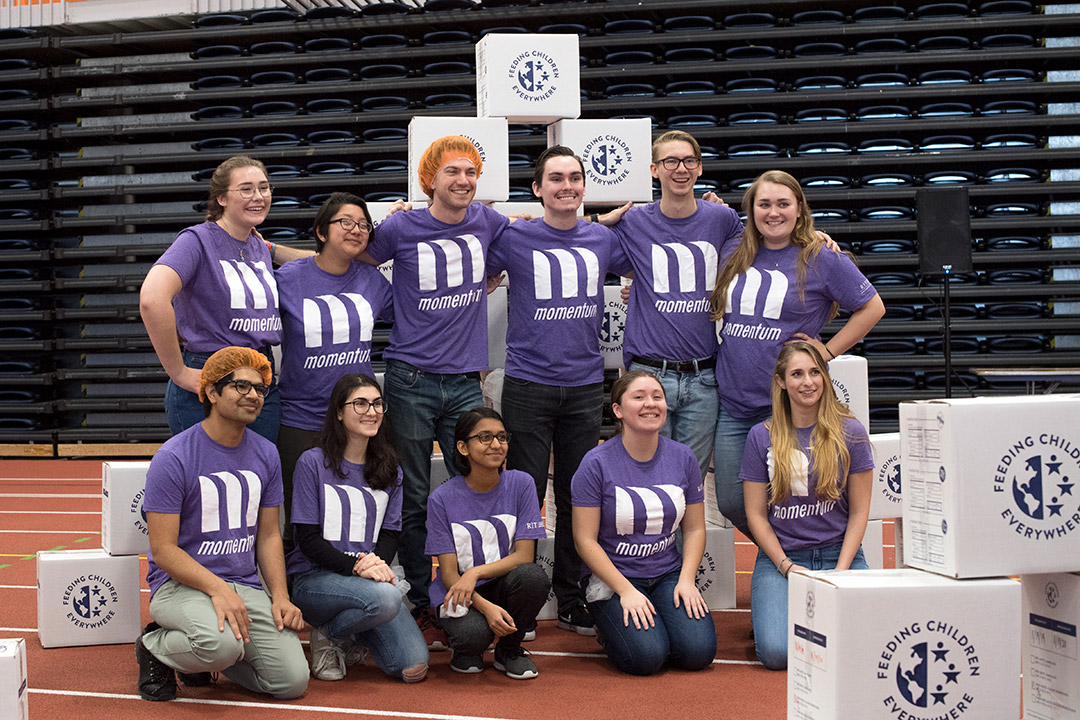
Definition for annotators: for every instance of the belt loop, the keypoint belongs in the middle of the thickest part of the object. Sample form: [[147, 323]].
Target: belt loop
[[697, 370], [663, 368]]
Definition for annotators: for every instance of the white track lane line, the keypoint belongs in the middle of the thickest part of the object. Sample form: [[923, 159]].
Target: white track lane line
[[270, 705], [54, 532], [49, 480], [76, 496], [50, 512]]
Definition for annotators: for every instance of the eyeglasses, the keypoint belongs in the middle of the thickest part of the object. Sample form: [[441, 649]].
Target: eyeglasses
[[672, 163], [348, 224], [360, 405], [486, 437], [243, 387], [248, 191]]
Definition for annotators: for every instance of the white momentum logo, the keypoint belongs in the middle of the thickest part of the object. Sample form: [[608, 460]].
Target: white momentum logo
[[341, 327], [686, 265], [231, 484], [568, 277], [241, 279], [453, 253], [365, 512], [493, 537]]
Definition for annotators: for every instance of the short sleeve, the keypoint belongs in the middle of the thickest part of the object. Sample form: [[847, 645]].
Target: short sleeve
[[184, 256], [862, 456], [305, 499], [440, 539], [530, 525], [755, 466], [695, 486], [164, 485], [392, 518], [586, 487]]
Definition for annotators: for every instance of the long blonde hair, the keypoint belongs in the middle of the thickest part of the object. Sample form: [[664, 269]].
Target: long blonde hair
[[828, 449], [803, 236]]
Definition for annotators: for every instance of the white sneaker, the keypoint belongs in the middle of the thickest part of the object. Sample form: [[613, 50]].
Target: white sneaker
[[327, 659]]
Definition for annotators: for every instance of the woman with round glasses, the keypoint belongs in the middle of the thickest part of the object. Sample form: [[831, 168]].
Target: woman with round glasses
[[483, 526], [346, 519], [329, 305], [213, 288], [631, 494]]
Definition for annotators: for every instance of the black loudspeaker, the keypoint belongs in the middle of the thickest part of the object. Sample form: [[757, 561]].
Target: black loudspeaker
[[944, 223]]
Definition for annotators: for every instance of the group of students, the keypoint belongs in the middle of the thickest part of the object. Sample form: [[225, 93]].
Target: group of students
[[716, 312]]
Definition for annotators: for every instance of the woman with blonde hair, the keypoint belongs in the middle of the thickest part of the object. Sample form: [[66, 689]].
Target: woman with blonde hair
[[777, 288], [807, 474]]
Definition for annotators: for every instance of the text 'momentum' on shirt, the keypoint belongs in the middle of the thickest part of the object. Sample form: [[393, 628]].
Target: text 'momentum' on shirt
[[440, 287]]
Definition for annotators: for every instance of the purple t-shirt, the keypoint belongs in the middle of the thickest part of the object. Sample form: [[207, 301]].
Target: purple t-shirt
[[480, 527], [675, 263], [350, 512], [764, 311], [440, 287], [327, 321], [641, 503], [217, 492], [804, 521], [229, 296], [556, 299]]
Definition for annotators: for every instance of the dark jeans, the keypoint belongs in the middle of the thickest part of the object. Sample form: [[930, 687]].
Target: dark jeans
[[291, 443], [520, 592], [423, 407], [567, 419]]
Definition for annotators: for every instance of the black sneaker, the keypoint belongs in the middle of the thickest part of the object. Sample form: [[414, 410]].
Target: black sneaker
[[199, 679], [577, 620], [515, 663], [157, 681], [467, 664]]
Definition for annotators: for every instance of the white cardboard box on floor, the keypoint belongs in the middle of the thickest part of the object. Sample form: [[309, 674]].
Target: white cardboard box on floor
[[851, 386], [528, 78], [1051, 657], [14, 704], [616, 155], [991, 485], [716, 574], [885, 502], [873, 545], [545, 558], [123, 523], [612, 328], [713, 516], [489, 135], [87, 597], [902, 644]]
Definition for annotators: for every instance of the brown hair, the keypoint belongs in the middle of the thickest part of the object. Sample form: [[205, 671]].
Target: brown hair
[[622, 384], [673, 136], [219, 182]]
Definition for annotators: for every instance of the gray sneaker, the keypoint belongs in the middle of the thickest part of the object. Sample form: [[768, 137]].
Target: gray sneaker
[[327, 659], [515, 663], [465, 663]]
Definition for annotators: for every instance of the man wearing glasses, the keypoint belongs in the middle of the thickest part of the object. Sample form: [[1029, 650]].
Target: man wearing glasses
[[213, 494]]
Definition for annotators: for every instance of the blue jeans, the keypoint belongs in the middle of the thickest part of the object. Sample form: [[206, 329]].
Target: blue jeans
[[769, 599], [371, 613], [423, 407], [684, 642], [541, 417], [692, 404], [184, 409], [520, 592], [731, 435]]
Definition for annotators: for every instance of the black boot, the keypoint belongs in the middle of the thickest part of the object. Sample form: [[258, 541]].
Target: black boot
[[157, 681]]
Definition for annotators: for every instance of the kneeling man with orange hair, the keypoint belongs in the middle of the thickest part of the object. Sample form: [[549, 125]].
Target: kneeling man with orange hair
[[213, 494]]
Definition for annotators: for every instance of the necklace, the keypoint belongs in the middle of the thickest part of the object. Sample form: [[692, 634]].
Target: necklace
[[220, 222]]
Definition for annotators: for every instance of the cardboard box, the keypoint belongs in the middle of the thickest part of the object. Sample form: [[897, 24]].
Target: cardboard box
[[885, 502], [1050, 656], [898, 540], [616, 154], [612, 328], [545, 558], [852, 388], [716, 574], [491, 140], [528, 78], [902, 644], [498, 322], [87, 597], [14, 704], [990, 485], [873, 545], [713, 516], [123, 522]]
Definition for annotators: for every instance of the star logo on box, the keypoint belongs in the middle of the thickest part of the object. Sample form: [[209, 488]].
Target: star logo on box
[[1052, 594], [1035, 477], [612, 326], [137, 514], [534, 76], [842, 392], [926, 668], [607, 159], [888, 478], [706, 572], [811, 604], [90, 601]]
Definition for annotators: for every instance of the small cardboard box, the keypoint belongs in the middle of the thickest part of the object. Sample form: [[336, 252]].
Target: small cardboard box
[[489, 135], [616, 155], [885, 502], [990, 485], [123, 522], [713, 516], [545, 558], [13, 696], [852, 388], [716, 574], [87, 597], [902, 644], [613, 328], [528, 78], [873, 545], [1051, 657]]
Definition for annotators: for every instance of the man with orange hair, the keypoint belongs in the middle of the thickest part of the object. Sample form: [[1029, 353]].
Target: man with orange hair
[[438, 344], [213, 494]]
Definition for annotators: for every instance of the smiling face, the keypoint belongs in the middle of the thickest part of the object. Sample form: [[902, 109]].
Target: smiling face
[[240, 213], [680, 181], [454, 185], [775, 213], [803, 381], [490, 456], [231, 405], [347, 244], [642, 406], [562, 185], [367, 423]]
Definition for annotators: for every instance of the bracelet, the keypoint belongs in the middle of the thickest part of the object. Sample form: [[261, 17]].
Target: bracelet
[[781, 565], [272, 248], [832, 355], [594, 217]]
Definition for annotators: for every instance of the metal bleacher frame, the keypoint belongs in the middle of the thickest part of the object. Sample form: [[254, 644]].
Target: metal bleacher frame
[[80, 74]]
